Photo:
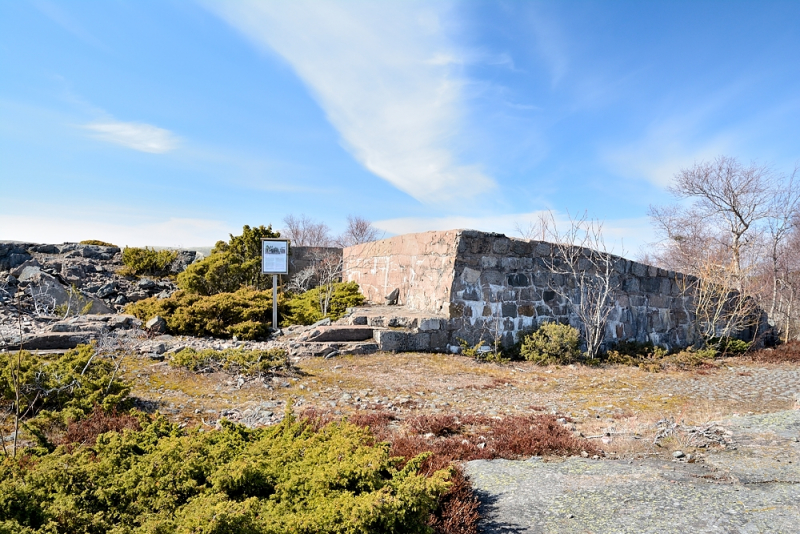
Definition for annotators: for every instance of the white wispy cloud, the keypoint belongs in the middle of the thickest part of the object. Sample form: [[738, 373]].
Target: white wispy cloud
[[388, 79], [622, 236], [61, 17], [549, 41], [135, 135], [664, 150]]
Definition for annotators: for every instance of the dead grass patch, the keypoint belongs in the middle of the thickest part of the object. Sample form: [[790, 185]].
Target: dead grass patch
[[788, 352], [456, 438], [86, 431]]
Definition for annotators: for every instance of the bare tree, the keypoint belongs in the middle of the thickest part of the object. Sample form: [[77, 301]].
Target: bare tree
[[788, 285], [44, 304], [302, 231], [718, 308], [579, 257], [783, 215], [359, 230], [302, 280], [538, 229], [729, 197], [735, 233], [329, 271]]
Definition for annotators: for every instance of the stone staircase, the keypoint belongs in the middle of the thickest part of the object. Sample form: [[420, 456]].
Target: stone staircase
[[376, 328]]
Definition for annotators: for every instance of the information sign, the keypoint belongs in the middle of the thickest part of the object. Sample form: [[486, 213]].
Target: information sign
[[274, 256]]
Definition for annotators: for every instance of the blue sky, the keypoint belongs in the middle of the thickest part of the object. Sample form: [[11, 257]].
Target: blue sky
[[174, 123]]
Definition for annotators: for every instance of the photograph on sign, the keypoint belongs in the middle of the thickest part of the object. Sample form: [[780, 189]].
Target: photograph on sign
[[274, 256]]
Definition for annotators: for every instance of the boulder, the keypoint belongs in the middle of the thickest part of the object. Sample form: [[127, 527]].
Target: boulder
[[340, 334], [48, 285], [123, 322], [55, 340], [146, 283], [44, 249], [13, 255], [156, 325], [107, 290], [29, 273], [183, 260], [136, 296], [391, 298], [17, 271]]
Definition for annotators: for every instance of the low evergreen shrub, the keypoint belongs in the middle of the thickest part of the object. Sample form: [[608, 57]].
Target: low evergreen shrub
[[305, 307], [70, 384], [654, 358], [235, 361], [246, 313], [230, 266], [146, 261], [728, 346], [552, 343], [161, 479]]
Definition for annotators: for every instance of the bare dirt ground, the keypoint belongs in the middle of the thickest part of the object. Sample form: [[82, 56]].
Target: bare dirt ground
[[622, 409]]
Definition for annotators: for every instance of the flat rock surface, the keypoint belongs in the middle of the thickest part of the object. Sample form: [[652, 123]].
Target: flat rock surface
[[753, 486], [340, 333]]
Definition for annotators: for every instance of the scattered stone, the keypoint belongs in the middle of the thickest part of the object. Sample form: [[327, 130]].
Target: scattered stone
[[107, 290], [678, 454], [157, 325], [391, 298], [146, 283]]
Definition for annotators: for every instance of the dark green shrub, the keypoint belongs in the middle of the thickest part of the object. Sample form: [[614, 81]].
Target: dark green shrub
[[245, 313], [305, 307], [97, 242], [70, 383], [146, 261], [728, 345], [236, 361], [285, 478], [230, 266], [654, 358], [552, 343]]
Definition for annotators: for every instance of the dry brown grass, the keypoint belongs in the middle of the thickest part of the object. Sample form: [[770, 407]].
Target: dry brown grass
[[454, 438], [86, 431], [788, 352]]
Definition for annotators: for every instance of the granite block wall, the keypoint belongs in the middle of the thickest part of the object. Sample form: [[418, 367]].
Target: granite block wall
[[420, 266], [487, 285], [503, 286]]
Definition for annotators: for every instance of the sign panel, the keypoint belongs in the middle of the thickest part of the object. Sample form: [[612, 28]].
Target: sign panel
[[274, 256]]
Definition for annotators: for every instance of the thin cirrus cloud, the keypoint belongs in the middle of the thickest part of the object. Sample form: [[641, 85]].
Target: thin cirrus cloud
[[135, 135], [386, 76]]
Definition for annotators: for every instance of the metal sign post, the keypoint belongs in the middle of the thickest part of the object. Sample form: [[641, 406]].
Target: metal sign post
[[274, 261], [275, 301]]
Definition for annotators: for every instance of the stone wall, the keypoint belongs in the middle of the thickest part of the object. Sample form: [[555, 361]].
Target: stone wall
[[302, 257], [503, 286], [420, 266], [489, 285]]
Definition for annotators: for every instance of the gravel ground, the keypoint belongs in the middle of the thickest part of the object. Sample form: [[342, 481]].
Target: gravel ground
[[751, 487]]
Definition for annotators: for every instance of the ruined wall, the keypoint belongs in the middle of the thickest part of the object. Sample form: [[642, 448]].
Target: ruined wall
[[503, 286], [490, 285], [421, 266]]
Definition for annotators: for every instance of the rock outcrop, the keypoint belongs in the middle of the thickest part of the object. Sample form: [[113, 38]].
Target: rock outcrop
[[47, 283]]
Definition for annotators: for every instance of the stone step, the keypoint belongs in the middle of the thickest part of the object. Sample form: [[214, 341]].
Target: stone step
[[337, 333], [331, 349], [423, 324], [411, 340]]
